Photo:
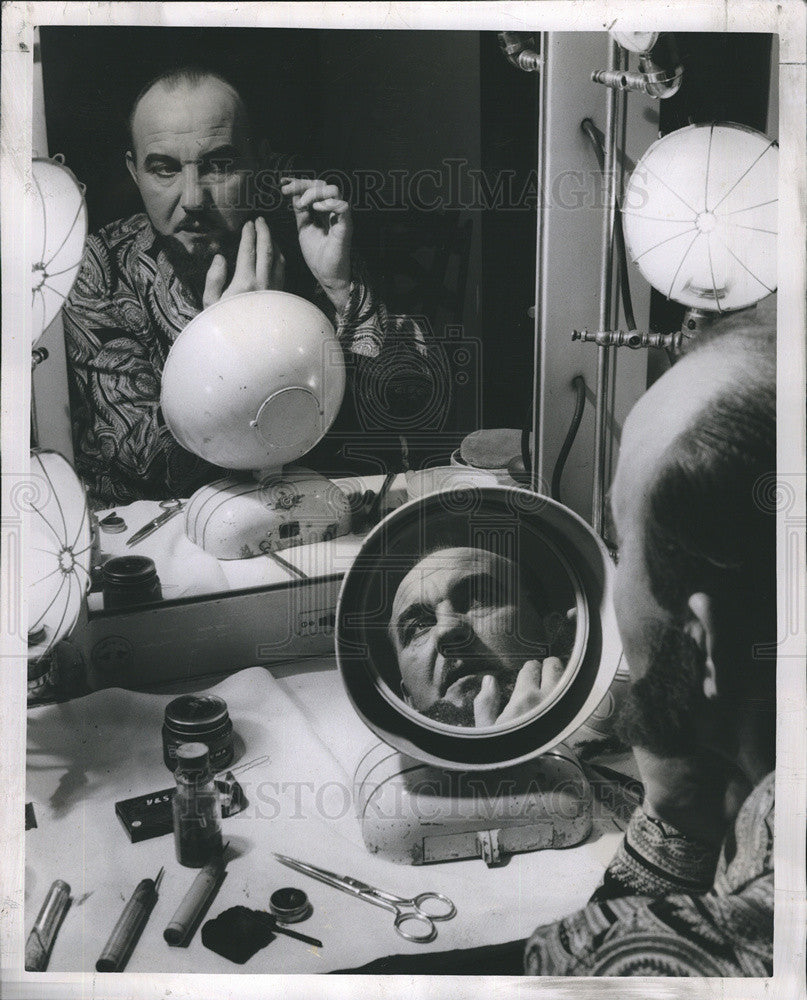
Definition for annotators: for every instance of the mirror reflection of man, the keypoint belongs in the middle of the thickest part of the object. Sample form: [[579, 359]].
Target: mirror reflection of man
[[471, 639], [194, 162], [690, 889]]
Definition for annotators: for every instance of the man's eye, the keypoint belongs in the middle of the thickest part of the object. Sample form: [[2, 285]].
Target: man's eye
[[164, 169], [414, 627], [224, 165]]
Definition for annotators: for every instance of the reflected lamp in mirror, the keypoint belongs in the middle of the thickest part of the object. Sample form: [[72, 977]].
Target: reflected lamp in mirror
[[57, 551], [436, 788], [700, 216], [252, 384], [58, 218]]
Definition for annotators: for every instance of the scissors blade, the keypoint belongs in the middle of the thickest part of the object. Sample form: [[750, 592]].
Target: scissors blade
[[151, 527], [329, 878]]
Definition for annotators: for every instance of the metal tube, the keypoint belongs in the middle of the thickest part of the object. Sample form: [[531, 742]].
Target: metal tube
[[40, 940], [622, 131], [606, 275], [130, 923], [537, 446]]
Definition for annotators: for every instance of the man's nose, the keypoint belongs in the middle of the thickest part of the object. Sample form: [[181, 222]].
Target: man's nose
[[452, 632], [192, 190]]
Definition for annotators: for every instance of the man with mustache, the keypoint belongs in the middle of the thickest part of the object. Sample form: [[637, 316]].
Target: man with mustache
[[471, 640], [690, 891], [201, 238]]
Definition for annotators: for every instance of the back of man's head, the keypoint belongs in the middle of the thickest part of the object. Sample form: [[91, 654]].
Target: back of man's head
[[709, 519]]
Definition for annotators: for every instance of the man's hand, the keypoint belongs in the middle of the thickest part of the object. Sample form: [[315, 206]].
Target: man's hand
[[259, 265], [534, 682], [324, 229]]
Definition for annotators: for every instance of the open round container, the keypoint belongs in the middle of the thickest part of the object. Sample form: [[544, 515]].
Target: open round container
[[541, 537]]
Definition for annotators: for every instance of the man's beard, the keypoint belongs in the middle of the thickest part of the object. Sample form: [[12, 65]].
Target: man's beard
[[192, 268], [451, 714], [661, 710]]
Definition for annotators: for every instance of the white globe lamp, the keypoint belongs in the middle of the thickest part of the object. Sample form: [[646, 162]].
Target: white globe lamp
[[252, 384], [700, 217], [58, 219]]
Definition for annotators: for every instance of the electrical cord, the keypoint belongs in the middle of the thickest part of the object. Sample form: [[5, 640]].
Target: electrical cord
[[579, 386], [587, 125], [578, 382]]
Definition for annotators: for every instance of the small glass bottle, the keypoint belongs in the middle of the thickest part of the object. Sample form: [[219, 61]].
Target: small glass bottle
[[196, 807]]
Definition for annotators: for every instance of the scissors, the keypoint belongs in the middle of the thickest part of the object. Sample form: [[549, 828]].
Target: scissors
[[170, 507], [419, 913]]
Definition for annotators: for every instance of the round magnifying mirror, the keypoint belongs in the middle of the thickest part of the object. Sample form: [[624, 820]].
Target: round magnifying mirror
[[475, 628]]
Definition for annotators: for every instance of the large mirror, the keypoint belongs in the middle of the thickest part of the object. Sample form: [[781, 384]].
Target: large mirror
[[436, 277]]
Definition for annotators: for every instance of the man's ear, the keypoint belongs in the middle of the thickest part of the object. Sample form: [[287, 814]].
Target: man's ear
[[701, 628], [130, 165]]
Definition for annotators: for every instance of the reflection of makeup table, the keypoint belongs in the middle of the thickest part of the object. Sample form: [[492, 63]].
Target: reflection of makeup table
[[185, 570], [299, 728]]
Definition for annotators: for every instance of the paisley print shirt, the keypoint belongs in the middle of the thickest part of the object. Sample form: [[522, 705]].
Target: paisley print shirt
[[126, 308], [670, 906]]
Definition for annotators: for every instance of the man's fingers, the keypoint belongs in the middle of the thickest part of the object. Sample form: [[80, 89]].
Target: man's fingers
[[264, 254], [526, 692], [277, 276], [295, 185], [486, 703], [319, 191], [529, 679], [337, 205], [244, 276], [214, 281], [551, 672]]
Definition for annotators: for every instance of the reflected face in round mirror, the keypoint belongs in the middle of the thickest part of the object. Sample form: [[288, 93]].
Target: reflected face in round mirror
[[476, 639]]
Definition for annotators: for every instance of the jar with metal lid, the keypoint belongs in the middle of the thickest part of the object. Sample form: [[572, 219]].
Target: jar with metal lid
[[130, 580], [198, 718]]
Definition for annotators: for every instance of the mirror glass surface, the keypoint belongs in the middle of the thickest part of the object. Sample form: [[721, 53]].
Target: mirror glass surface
[[443, 206]]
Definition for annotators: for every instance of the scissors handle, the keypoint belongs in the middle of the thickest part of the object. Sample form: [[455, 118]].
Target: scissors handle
[[416, 922], [435, 905], [415, 926]]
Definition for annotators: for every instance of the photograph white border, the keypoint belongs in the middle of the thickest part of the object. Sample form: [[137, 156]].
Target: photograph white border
[[787, 19]]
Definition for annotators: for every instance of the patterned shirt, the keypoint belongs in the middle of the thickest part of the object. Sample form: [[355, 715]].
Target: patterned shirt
[[126, 308], [670, 906]]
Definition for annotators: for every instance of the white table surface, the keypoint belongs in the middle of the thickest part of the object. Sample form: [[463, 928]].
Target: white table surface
[[86, 754]]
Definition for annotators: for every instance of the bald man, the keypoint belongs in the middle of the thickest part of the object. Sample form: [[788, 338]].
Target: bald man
[[201, 239], [690, 891]]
